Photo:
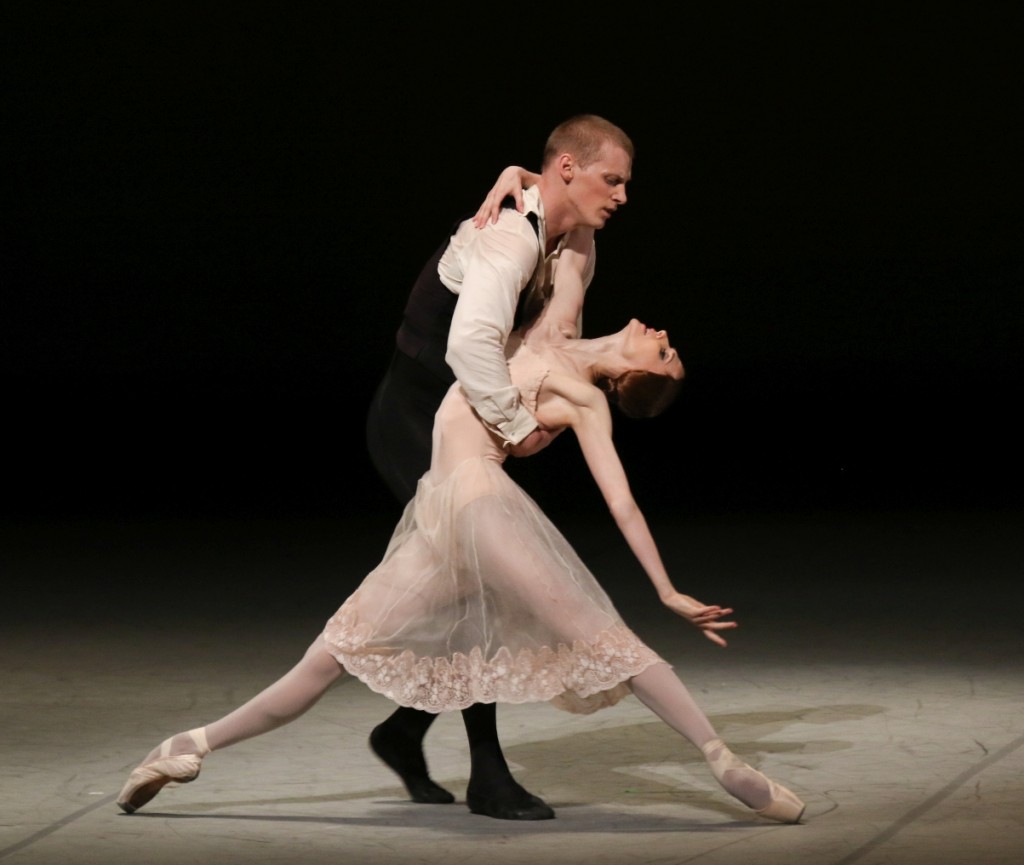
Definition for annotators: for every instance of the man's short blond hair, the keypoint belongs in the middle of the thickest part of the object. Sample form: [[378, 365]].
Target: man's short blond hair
[[584, 136]]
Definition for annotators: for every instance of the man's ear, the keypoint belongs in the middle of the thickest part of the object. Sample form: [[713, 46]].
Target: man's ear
[[566, 164]]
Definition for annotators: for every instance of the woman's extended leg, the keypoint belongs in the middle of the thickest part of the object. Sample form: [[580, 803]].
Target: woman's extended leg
[[661, 690], [179, 758]]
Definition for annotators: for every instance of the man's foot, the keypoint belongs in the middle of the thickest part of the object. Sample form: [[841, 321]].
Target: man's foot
[[404, 756], [505, 799]]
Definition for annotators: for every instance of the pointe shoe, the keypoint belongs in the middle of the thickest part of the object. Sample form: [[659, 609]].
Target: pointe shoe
[[147, 780], [784, 806]]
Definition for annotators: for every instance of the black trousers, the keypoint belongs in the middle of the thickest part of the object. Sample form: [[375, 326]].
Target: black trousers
[[401, 422]]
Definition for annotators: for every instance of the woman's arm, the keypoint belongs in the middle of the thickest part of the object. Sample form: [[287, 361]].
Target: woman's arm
[[561, 315], [512, 181], [564, 310], [589, 416]]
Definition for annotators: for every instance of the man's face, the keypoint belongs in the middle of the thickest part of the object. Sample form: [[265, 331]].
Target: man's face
[[599, 189]]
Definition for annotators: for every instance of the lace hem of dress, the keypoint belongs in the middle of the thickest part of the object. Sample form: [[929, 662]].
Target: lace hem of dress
[[582, 678]]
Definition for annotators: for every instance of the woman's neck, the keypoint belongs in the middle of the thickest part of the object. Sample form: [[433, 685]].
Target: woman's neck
[[588, 358]]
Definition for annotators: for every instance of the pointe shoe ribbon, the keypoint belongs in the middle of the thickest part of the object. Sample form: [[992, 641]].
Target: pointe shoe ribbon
[[785, 806], [147, 780]]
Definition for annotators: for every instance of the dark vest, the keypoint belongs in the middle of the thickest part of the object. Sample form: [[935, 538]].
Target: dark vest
[[423, 333]]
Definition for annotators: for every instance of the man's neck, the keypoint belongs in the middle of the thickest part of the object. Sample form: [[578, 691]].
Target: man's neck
[[554, 206]]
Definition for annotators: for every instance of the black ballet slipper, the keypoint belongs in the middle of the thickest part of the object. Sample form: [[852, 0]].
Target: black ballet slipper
[[404, 757], [507, 800]]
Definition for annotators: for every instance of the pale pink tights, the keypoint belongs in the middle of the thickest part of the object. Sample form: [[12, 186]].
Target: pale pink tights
[[284, 701], [657, 687], [661, 691]]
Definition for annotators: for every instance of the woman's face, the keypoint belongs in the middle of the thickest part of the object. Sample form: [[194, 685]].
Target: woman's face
[[648, 349]]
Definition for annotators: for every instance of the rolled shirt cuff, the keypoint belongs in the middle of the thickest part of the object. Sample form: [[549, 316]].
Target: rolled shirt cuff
[[519, 427]]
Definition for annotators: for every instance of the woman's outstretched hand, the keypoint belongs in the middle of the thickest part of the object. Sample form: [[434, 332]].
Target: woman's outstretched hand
[[511, 181], [707, 618]]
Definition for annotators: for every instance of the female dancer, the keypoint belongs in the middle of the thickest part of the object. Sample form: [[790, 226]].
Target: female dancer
[[479, 598]]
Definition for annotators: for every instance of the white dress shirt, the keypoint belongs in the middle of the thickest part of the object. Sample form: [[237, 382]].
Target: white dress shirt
[[488, 268]]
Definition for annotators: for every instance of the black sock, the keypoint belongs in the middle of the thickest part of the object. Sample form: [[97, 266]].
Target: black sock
[[398, 741]]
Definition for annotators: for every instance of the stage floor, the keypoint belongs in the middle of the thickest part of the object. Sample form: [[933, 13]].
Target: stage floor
[[878, 671]]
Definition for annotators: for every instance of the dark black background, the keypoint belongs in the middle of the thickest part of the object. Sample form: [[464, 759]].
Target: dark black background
[[212, 218]]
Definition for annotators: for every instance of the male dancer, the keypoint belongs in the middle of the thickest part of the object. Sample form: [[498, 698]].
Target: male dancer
[[491, 272]]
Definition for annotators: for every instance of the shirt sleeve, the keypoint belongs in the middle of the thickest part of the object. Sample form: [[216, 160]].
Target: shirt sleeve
[[498, 264]]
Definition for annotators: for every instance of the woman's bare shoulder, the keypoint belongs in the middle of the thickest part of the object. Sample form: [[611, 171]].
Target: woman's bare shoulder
[[563, 394]]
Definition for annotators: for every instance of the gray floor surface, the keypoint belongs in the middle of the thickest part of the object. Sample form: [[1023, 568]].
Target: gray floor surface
[[877, 671]]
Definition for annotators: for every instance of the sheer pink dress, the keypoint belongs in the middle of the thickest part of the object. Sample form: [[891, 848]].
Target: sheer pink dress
[[479, 598]]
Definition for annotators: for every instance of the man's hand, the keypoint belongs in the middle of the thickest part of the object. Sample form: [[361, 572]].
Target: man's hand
[[536, 441]]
